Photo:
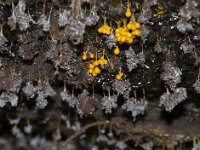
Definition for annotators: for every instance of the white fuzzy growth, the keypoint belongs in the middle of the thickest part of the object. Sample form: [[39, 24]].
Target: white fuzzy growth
[[8, 97], [3, 39], [63, 19], [196, 86], [19, 16], [135, 106], [108, 103], [45, 22], [170, 100]]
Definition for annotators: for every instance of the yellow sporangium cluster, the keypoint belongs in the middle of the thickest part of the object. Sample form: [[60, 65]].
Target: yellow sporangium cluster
[[94, 67], [161, 11], [128, 33], [105, 28], [119, 75], [128, 11], [116, 50], [85, 56]]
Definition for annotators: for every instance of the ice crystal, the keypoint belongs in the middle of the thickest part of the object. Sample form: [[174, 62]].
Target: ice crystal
[[122, 87], [171, 74], [135, 106], [133, 59], [6, 97], [63, 19], [108, 103], [187, 48], [19, 16], [170, 100], [196, 86]]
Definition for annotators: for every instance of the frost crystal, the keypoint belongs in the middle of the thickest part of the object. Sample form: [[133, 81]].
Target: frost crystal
[[196, 86], [63, 19], [8, 97], [109, 102], [133, 59], [135, 106], [19, 16], [171, 74], [170, 100]]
